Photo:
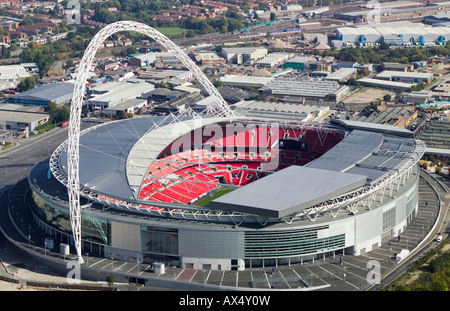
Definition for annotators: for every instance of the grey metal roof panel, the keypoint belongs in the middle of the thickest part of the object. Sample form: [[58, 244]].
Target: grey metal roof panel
[[289, 191], [355, 147], [104, 154], [379, 128], [373, 175], [47, 92]]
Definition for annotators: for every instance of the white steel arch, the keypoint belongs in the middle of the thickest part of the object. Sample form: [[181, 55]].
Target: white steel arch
[[73, 185]]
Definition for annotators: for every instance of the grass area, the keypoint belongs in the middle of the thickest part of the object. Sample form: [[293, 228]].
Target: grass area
[[45, 127], [429, 273], [216, 194], [7, 145], [171, 31]]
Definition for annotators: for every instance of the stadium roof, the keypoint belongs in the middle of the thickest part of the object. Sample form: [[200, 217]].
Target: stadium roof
[[103, 155], [380, 128], [288, 191], [115, 157], [353, 149]]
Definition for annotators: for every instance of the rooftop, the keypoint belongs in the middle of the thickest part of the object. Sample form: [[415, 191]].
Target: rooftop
[[47, 92], [13, 72], [272, 195], [7, 115]]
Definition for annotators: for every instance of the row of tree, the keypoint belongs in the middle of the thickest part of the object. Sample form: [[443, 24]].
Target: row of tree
[[433, 277]]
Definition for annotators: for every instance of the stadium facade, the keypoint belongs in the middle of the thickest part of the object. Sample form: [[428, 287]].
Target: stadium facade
[[230, 193]]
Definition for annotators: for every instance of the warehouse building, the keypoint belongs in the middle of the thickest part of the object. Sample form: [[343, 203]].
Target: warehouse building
[[13, 73], [273, 59], [406, 77], [113, 93], [288, 111], [161, 94], [245, 81], [59, 93], [394, 33], [342, 75], [307, 89], [299, 62], [128, 106], [208, 58], [440, 18], [243, 56], [141, 59], [20, 121], [391, 85]]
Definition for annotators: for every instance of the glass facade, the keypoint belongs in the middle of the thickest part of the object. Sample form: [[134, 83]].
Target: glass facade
[[273, 244], [92, 229], [161, 241]]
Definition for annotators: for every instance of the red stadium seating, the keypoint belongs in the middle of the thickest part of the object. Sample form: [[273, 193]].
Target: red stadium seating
[[237, 158]]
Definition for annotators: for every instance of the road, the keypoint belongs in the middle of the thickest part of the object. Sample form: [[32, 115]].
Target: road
[[16, 162]]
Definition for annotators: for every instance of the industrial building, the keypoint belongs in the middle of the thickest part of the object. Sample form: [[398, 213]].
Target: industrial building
[[161, 94], [20, 121], [406, 77], [208, 58], [245, 81], [342, 75], [273, 59], [307, 89], [439, 19], [128, 106], [391, 13], [141, 59], [400, 117], [13, 73], [243, 56], [160, 75], [284, 111], [392, 85], [299, 62], [436, 135], [394, 33], [58, 93], [112, 93]]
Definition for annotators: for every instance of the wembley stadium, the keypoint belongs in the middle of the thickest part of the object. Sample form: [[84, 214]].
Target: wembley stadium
[[232, 193]]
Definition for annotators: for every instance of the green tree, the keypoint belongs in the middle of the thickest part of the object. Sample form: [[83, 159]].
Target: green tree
[[26, 84], [110, 280]]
